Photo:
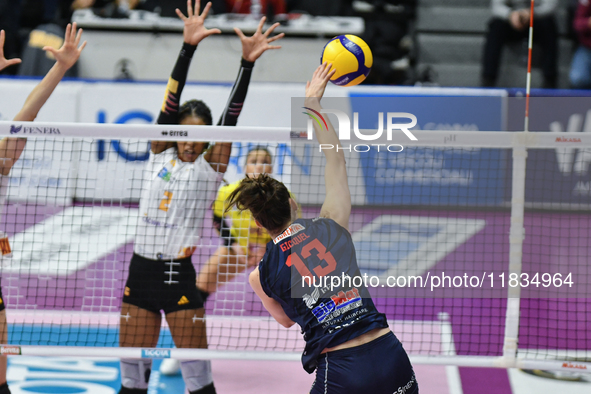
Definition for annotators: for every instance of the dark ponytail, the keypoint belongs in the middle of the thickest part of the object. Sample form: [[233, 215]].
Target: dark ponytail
[[266, 198]]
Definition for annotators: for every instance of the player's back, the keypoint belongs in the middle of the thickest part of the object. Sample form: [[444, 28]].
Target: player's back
[[301, 269]]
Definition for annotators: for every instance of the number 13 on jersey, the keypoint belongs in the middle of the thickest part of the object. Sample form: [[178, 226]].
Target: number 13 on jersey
[[319, 270]]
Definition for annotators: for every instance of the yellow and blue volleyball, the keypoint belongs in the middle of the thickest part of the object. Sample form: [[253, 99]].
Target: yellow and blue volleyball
[[351, 57]]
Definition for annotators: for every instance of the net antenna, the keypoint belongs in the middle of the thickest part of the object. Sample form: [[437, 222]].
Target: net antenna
[[529, 51]]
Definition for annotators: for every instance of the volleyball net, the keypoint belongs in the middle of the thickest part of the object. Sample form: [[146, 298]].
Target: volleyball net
[[474, 249]]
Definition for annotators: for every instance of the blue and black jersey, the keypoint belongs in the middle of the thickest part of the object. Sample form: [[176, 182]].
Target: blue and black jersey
[[297, 271]]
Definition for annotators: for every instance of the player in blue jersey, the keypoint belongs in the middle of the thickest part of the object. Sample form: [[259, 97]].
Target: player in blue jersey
[[348, 341]]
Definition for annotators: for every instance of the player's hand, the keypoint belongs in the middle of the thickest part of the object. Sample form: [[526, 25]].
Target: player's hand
[[70, 51], [254, 46], [315, 87], [515, 19], [3, 61], [194, 30]]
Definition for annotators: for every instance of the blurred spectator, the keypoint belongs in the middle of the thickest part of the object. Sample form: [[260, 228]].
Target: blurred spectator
[[10, 22], [510, 22], [269, 7], [167, 8], [389, 32], [320, 8], [580, 72]]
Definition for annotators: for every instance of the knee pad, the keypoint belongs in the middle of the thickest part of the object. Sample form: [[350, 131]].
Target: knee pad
[[135, 373], [4, 389], [197, 374]]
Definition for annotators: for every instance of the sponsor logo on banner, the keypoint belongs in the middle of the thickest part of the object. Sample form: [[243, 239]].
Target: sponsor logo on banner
[[573, 366], [33, 130], [298, 134], [564, 139], [155, 353], [10, 350], [176, 133]]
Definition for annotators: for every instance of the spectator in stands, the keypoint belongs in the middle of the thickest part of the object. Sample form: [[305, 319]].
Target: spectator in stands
[[243, 6], [580, 71], [82, 4], [10, 11], [510, 22]]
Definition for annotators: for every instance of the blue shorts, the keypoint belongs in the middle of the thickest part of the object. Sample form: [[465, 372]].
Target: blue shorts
[[378, 367]]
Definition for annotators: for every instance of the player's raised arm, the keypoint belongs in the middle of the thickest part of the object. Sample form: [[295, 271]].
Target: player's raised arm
[[194, 32], [3, 61], [337, 202], [66, 57], [252, 49]]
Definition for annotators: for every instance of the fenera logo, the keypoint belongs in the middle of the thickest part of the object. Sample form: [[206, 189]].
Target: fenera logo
[[33, 130]]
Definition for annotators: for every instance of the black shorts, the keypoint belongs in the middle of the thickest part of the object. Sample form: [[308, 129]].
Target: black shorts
[[162, 285], [378, 367], [2, 303]]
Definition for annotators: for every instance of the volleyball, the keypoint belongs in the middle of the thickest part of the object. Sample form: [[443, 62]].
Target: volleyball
[[350, 56]]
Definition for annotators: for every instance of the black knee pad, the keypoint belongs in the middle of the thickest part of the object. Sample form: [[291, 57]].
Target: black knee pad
[[209, 389], [125, 390]]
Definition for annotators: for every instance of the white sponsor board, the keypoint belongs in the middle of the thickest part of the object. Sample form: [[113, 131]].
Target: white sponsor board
[[45, 173], [70, 240]]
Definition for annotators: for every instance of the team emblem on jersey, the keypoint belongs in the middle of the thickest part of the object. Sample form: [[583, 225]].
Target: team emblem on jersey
[[164, 174], [311, 300]]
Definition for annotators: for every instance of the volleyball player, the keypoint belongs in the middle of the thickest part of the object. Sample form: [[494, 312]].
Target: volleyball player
[[348, 341], [180, 183], [3, 61], [244, 242], [12, 148]]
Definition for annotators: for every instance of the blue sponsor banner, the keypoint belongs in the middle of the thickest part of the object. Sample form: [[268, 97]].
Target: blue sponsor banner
[[558, 175], [435, 176]]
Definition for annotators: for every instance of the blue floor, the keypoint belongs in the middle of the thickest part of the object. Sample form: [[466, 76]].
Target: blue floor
[[48, 375]]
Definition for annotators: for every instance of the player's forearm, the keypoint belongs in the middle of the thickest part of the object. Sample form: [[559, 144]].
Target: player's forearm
[[327, 137], [239, 90], [41, 93], [219, 156], [170, 107]]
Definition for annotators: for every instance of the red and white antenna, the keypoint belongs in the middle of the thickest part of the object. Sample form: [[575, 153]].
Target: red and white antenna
[[529, 49]]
